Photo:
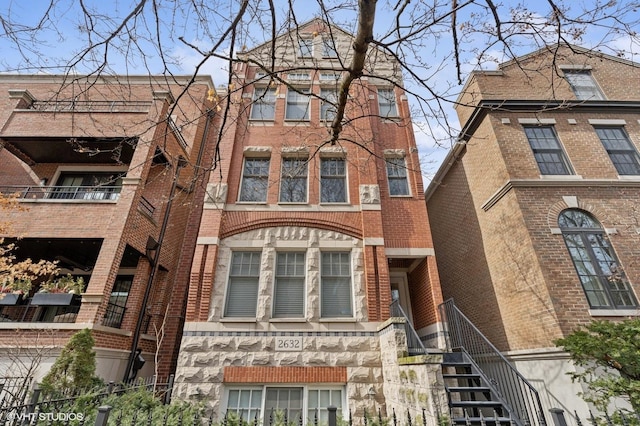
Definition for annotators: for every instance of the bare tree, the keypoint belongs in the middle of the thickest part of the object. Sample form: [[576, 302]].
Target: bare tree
[[435, 43]]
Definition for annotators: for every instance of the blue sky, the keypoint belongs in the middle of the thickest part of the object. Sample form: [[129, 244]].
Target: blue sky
[[64, 31]]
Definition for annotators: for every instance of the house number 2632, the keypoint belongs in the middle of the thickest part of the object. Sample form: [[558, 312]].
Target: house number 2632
[[288, 343]]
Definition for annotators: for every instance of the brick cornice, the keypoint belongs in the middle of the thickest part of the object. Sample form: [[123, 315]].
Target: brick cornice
[[556, 183]]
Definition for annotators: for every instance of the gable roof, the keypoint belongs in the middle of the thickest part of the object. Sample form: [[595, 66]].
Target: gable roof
[[301, 28], [553, 48]]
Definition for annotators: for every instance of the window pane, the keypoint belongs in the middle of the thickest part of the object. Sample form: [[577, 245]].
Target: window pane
[[245, 403], [336, 285], [305, 47], [264, 104], [297, 105], [293, 182], [547, 151], [255, 180], [622, 153], [583, 85], [329, 48], [327, 108], [242, 291], [397, 176], [284, 402], [594, 259], [289, 294], [387, 103], [319, 400], [333, 180]]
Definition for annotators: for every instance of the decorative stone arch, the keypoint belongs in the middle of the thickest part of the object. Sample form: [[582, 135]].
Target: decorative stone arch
[[570, 202], [328, 225]]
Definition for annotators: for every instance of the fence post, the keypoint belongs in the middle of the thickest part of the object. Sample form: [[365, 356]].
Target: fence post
[[333, 419], [557, 415], [103, 415], [167, 396], [31, 407]]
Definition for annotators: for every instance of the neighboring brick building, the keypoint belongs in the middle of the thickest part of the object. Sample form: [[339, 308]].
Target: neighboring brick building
[[93, 162], [535, 210], [303, 245]]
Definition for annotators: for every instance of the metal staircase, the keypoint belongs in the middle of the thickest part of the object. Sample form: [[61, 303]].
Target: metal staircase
[[471, 399], [482, 386]]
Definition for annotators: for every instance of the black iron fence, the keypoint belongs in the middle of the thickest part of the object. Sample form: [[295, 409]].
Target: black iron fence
[[14, 390], [519, 395], [75, 408]]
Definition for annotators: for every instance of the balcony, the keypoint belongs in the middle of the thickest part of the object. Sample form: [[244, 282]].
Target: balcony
[[28, 313], [64, 193]]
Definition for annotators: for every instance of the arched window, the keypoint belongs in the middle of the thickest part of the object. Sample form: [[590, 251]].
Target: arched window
[[602, 278]]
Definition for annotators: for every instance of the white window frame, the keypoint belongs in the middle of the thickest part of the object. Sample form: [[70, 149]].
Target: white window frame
[[306, 389], [284, 178], [299, 76], [260, 94], [329, 48], [583, 84], [230, 277], [249, 418], [391, 104], [286, 277], [298, 102], [305, 47], [393, 162], [344, 178], [350, 314], [326, 106], [244, 177], [330, 76]]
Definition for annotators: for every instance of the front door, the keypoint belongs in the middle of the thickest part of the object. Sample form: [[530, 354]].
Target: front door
[[400, 292]]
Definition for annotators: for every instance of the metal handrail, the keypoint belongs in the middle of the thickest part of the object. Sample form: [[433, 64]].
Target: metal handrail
[[461, 334], [414, 344], [89, 193]]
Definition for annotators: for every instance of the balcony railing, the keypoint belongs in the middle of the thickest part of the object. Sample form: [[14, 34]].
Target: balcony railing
[[39, 314], [87, 193]]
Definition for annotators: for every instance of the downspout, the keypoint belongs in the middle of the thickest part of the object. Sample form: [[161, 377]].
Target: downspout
[[155, 263]]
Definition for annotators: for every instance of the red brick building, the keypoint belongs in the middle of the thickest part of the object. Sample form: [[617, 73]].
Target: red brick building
[[304, 245], [535, 210], [107, 172]]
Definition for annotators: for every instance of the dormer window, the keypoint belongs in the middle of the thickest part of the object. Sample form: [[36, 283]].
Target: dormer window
[[329, 48], [583, 85], [305, 47]]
